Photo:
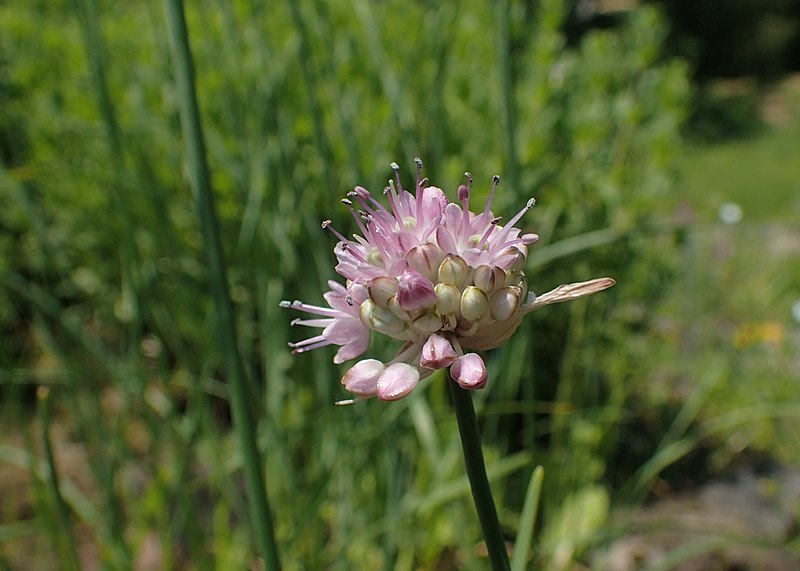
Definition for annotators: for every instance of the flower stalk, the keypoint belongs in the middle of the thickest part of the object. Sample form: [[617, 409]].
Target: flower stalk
[[478, 481]]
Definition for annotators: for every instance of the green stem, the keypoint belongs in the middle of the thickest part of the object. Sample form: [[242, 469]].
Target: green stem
[[479, 482], [69, 555], [260, 513]]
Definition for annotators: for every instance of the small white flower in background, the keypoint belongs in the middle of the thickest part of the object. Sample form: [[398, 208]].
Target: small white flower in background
[[430, 273], [730, 213], [796, 311]]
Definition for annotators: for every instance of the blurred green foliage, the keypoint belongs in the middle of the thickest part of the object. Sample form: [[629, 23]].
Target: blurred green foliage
[[105, 297]]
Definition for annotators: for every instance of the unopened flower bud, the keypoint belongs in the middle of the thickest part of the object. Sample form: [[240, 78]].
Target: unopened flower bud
[[427, 323], [504, 302], [474, 303], [362, 378], [437, 353], [379, 319], [381, 289], [453, 270], [415, 291], [449, 297], [394, 307], [488, 277], [425, 259], [396, 381], [512, 258], [469, 371]]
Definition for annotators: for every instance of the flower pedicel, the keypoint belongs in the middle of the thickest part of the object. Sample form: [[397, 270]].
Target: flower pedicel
[[430, 273]]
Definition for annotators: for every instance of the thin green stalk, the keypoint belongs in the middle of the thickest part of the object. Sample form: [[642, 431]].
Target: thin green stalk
[[479, 482], [527, 521], [260, 513], [95, 48], [66, 536], [504, 65]]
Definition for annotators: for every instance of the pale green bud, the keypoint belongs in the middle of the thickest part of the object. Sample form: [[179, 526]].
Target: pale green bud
[[381, 289], [379, 319], [394, 306], [453, 270], [505, 302], [474, 303], [427, 323], [449, 298]]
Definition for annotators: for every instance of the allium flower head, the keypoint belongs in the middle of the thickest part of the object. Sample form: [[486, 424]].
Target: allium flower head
[[443, 280]]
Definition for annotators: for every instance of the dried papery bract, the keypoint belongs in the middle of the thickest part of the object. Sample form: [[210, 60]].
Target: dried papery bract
[[443, 280]]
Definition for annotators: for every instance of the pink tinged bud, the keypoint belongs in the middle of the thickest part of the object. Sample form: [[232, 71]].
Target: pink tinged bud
[[379, 319], [505, 302], [425, 259], [474, 303], [449, 298], [381, 289], [362, 378], [488, 277], [396, 381], [469, 371], [453, 270], [415, 291], [437, 353]]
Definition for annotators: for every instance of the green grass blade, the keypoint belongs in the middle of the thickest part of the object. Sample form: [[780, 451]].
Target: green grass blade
[[66, 537], [527, 521], [260, 512]]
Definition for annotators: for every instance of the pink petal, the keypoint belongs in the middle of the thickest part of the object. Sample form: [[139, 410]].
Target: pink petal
[[469, 371], [344, 330], [446, 241], [352, 349], [452, 217], [362, 378], [434, 202], [437, 353], [397, 380]]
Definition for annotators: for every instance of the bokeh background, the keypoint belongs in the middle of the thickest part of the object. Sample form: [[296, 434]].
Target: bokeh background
[[662, 143]]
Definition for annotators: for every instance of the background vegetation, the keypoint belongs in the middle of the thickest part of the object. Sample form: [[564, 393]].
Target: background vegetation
[[117, 449]]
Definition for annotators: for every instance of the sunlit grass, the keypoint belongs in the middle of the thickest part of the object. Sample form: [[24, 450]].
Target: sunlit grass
[[760, 172]]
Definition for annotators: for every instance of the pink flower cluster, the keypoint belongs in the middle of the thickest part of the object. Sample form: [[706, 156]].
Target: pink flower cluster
[[432, 274]]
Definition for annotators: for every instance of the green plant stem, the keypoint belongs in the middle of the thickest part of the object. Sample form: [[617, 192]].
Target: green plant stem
[[260, 513], [66, 536], [478, 481]]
